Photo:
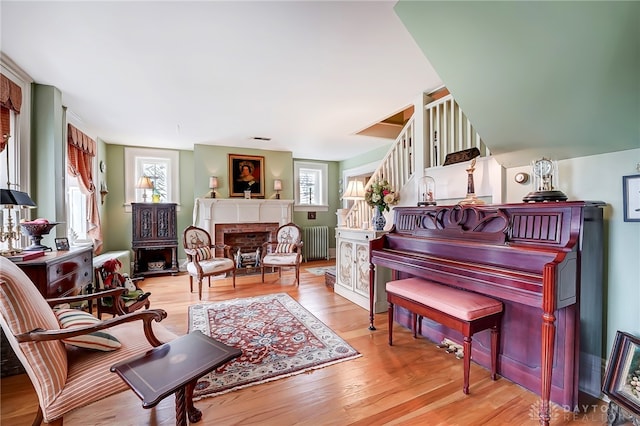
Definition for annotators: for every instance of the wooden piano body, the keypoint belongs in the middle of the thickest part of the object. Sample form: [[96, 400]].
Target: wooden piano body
[[543, 260]]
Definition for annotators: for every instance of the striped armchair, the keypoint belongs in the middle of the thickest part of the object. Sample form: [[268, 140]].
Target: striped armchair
[[285, 252], [66, 377]]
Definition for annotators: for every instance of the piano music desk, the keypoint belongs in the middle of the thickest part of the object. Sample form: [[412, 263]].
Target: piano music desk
[[460, 310]]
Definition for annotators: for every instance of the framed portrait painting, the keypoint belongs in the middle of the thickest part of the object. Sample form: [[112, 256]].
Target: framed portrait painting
[[246, 173], [631, 198], [622, 378]]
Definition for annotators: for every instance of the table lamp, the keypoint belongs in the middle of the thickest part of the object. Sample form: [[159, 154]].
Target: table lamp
[[213, 185], [10, 198], [144, 183], [277, 186]]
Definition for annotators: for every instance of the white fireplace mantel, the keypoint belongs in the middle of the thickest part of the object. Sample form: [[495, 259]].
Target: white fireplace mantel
[[207, 212]]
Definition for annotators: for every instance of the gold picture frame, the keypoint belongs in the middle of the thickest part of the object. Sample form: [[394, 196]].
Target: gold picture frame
[[246, 173]]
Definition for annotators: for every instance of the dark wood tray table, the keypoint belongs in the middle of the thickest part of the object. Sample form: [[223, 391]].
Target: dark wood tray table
[[174, 367]]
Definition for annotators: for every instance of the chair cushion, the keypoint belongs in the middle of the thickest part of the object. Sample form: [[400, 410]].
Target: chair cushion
[[23, 309], [203, 253], [98, 340], [290, 259], [211, 266], [462, 304], [285, 248]]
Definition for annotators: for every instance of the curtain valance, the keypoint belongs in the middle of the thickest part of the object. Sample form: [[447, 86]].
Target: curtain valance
[[10, 94], [80, 140]]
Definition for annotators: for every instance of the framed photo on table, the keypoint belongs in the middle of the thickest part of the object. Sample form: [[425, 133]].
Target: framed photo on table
[[631, 198], [246, 173], [62, 244], [622, 377]]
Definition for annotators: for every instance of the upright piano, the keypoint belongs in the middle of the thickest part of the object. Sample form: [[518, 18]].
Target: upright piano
[[542, 260]]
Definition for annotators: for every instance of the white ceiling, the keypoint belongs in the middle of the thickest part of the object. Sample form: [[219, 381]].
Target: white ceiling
[[170, 74]]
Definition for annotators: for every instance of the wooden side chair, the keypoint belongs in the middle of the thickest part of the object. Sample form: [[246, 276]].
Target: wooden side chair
[[202, 260], [285, 252], [67, 353], [134, 298]]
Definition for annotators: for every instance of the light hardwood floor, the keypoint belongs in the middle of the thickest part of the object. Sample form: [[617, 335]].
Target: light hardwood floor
[[411, 383]]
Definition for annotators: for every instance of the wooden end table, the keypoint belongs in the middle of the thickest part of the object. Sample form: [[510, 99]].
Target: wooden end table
[[174, 367]]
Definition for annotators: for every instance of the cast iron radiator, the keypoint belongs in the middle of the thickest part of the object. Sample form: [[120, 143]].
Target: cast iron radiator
[[316, 242]]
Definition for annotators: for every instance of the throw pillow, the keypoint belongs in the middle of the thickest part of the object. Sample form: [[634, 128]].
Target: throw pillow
[[285, 248], [203, 253], [98, 340]]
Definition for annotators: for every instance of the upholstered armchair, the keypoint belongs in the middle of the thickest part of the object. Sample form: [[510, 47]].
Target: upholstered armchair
[[201, 258], [67, 353], [285, 252]]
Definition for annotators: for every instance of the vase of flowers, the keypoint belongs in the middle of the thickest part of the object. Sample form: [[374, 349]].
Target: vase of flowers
[[380, 196]]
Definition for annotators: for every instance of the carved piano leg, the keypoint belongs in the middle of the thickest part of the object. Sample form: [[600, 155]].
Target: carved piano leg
[[414, 325], [390, 324], [495, 335], [467, 364], [372, 294], [548, 348]]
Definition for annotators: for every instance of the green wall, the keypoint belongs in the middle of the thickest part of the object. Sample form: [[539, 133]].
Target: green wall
[[195, 168], [116, 222]]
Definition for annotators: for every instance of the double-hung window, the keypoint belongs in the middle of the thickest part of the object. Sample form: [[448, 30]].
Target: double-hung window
[[311, 191], [160, 166]]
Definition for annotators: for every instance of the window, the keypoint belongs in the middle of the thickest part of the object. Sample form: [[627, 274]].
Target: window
[[76, 210], [161, 166], [311, 186]]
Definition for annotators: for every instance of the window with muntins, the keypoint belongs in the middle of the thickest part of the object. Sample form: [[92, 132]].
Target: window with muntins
[[161, 166], [311, 189]]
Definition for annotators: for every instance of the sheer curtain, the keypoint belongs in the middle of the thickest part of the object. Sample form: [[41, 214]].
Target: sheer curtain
[[81, 150]]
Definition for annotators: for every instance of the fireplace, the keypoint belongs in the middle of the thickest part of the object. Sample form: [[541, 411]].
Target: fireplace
[[246, 240]]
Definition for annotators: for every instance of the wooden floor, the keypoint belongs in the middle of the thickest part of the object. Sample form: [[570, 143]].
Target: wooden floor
[[411, 383]]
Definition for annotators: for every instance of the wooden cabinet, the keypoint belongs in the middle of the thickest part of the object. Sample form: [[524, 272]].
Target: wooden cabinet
[[154, 238], [61, 273], [352, 269]]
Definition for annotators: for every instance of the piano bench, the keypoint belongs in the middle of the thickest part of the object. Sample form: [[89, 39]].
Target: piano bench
[[460, 310]]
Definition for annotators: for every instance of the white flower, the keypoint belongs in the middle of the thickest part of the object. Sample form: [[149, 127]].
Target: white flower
[[390, 198]]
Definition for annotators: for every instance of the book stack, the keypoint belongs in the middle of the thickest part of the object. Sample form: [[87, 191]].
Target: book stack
[[25, 255]]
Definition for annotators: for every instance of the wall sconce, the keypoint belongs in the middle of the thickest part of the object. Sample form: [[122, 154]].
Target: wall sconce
[[103, 191], [144, 183], [213, 185], [277, 186]]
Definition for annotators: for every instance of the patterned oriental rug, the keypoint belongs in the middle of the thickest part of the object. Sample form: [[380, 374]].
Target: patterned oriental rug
[[277, 336]]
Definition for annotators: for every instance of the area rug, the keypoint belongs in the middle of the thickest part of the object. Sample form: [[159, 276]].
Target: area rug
[[278, 338], [321, 270]]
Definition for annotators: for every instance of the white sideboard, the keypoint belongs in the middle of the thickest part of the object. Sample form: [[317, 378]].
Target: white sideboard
[[352, 269]]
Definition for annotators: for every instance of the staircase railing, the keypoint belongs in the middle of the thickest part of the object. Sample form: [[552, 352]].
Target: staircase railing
[[397, 167], [448, 129]]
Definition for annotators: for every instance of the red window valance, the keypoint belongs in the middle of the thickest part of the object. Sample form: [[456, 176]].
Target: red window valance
[[10, 99], [80, 140], [10, 94]]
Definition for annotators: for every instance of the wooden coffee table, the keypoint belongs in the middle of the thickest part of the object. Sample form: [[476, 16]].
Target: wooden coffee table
[[175, 367]]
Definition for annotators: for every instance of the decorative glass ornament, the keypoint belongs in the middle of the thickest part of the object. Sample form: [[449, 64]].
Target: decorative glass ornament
[[426, 191]]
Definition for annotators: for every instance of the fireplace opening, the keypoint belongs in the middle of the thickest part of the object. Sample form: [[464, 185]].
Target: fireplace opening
[[246, 247]]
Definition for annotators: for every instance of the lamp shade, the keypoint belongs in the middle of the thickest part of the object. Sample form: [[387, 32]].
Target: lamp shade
[[144, 182], [213, 182], [15, 198], [354, 191], [277, 185]]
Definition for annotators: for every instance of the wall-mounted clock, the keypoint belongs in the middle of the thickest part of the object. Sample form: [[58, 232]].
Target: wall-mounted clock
[[544, 172]]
